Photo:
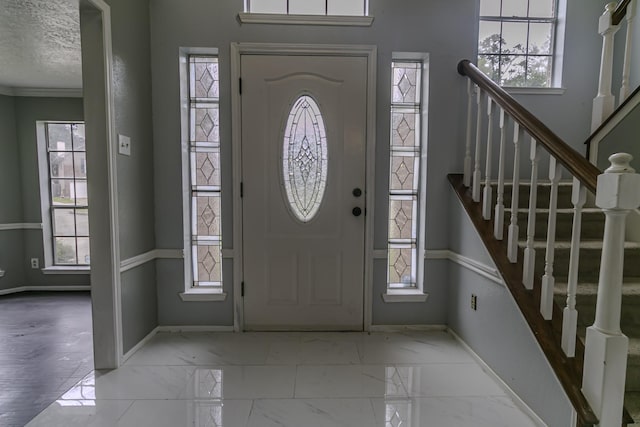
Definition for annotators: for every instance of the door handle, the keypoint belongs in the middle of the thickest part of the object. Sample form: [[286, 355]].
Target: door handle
[[356, 211], [357, 192]]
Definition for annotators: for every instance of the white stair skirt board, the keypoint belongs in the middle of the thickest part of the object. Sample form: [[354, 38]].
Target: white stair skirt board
[[516, 399]]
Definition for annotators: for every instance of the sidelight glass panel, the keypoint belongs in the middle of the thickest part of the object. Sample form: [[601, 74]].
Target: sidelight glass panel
[[404, 174], [204, 175], [305, 158], [207, 264]]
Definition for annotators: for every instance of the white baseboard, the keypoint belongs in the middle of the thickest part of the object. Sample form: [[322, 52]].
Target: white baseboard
[[407, 328], [45, 289], [138, 346], [512, 394], [196, 328]]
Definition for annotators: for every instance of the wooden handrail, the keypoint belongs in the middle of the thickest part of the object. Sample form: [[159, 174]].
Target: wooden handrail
[[573, 161], [620, 12]]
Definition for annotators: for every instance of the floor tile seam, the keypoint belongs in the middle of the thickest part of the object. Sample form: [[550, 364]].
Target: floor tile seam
[[129, 406]]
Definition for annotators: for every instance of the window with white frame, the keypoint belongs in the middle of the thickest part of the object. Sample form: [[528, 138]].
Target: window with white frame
[[309, 7], [407, 175], [64, 199], [517, 41], [204, 186]]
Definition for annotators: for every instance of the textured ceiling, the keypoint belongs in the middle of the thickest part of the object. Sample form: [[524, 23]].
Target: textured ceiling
[[40, 44]]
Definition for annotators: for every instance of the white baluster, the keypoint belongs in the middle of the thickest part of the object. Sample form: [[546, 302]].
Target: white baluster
[[477, 176], [605, 359], [604, 102], [570, 314], [498, 224], [486, 197], [625, 90], [467, 154], [530, 252], [514, 230], [548, 281]]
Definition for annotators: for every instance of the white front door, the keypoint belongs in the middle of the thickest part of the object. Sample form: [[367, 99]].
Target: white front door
[[303, 169]]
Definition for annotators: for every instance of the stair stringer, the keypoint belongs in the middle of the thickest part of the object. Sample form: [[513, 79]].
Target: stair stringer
[[498, 331]]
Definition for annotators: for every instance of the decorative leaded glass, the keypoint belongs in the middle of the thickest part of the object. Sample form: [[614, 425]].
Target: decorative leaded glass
[[208, 264], [406, 83], [204, 152], [404, 174], [304, 158]]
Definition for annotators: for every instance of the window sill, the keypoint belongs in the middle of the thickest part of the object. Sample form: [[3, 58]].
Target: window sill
[[534, 90], [404, 295], [276, 18], [66, 270], [199, 294]]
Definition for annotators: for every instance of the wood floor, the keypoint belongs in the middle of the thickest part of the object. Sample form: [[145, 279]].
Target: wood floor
[[45, 348]]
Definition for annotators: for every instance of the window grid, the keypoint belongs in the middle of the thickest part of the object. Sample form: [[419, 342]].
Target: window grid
[[68, 202], [525, 64], [405, 147], [323, 7], [204, 161]]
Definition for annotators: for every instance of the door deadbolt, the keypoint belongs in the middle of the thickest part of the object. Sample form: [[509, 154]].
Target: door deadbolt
[[356, 211]]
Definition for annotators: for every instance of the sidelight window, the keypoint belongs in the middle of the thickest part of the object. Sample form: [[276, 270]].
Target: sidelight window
[[204, 180], [407, 174]]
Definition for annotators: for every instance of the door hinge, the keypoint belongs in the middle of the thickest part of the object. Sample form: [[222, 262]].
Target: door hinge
[[241, 189], [240, 85], [242, 289]]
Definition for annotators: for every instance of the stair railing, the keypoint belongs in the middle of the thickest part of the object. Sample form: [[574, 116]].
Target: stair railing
[[608, 26], [600, 400]]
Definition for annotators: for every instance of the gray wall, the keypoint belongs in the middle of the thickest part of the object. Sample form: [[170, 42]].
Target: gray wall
[[21, 189], [29, 110], [132, 93], [11, 241], [497, 332], [415, 26]]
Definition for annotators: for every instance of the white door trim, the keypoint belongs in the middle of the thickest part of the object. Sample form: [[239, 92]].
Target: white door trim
[[367, 51], [115, 305]]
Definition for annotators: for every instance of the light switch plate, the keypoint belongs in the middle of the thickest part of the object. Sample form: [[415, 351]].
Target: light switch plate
[[124, 145]]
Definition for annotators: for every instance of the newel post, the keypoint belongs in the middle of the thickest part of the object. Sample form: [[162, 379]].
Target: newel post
[[606, 347], [604, 102]]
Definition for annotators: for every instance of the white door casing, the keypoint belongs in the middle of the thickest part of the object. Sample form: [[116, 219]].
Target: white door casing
[[303, 275]]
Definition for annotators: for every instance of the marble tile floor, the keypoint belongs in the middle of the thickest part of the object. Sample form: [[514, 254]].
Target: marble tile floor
[[290, 379]]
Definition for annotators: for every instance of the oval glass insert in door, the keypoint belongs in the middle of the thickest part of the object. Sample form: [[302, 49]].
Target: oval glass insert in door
[[304, 158]]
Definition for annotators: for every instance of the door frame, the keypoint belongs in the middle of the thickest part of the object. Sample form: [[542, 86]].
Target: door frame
[[237, 50]]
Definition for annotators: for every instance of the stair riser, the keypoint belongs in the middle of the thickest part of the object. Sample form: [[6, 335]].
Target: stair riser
[[589, 266], [592, 226], [586, 306], [542, 201]]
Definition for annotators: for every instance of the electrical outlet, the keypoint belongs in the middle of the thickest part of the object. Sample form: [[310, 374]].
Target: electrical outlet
[[474, 302], [35, 263], [1, 273]]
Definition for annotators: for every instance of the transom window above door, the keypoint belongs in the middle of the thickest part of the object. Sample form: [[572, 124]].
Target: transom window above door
[[309, 7]]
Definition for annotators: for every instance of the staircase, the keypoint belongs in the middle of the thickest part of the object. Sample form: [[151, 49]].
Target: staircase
[[590, 253]]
